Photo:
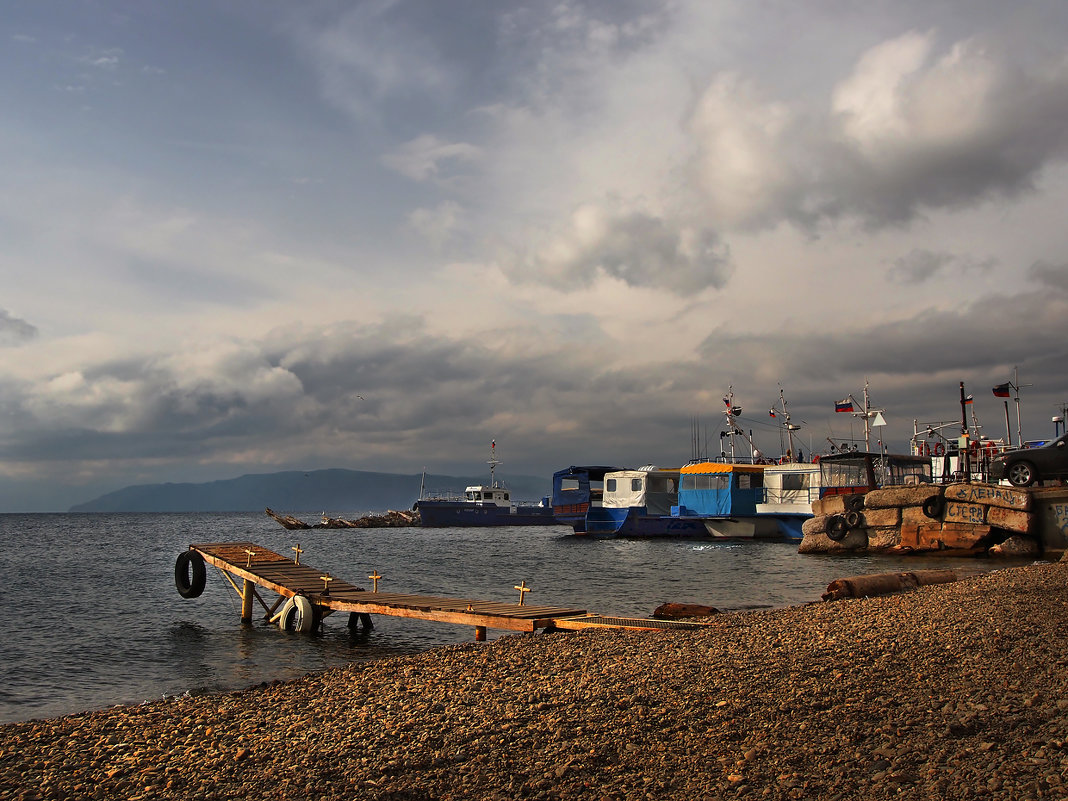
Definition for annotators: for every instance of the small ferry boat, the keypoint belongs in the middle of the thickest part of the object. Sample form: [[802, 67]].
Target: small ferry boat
[[482, 506], [724, 497], [576, 490], [789, 490], [638, 503]]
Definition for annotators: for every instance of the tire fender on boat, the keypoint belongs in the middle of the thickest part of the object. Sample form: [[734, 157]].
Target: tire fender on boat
[[854, 518], [837, 527], [297, 615], [190, 574]]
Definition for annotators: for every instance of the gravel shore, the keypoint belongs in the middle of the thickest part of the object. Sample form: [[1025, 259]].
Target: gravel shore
[[951, 691]]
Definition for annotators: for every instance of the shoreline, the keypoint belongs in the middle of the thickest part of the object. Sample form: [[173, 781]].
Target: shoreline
[[949, 691]]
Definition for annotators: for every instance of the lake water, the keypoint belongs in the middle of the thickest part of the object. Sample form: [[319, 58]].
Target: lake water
[[93, 618]]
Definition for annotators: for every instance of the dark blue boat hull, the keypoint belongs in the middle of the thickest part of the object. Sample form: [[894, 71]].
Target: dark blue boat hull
[[447, 514]]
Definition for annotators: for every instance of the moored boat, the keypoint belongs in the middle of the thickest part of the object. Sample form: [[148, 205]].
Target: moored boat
[[576, 490], [638, 503], [482, 505], [723, 497], [789, 490]]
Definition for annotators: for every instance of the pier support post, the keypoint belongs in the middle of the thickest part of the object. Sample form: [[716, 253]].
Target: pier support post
[[480, 633], [246, 601]]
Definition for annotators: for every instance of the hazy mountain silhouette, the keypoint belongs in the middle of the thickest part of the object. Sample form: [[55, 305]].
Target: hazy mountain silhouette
[[337, 492]]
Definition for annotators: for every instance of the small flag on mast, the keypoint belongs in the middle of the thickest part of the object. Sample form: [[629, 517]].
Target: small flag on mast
[[969, 399], [771, 412], [1002, 390], [843, 405]]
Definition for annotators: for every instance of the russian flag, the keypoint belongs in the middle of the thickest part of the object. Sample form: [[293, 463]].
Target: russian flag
[[1002, 390], [843, 405]]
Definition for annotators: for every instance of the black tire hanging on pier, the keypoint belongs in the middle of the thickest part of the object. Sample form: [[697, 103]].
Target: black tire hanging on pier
[[854, 502], [837, 527], [934, 506], [854, 519], [189, 574]]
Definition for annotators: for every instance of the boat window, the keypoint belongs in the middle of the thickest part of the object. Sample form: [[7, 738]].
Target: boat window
[[844, 474], [569, 484], [506, 496], [794, 481], [705, 481], [610, 485], [750, 480], [635, 485]]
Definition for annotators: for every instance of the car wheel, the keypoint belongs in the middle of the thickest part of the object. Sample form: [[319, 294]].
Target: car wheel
[[1021, 474]]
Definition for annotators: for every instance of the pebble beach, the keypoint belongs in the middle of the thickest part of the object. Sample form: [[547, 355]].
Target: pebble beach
[[951, 691]]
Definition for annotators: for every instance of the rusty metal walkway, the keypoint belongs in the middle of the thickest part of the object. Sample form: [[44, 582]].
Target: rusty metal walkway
[[260, 567]]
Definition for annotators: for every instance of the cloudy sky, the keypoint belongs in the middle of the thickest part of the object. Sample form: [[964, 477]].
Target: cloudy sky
[[261, 235]]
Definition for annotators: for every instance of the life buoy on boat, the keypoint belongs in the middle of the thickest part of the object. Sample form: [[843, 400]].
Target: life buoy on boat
[[189, 574], [925, 449], [297, 615], [939, 449]]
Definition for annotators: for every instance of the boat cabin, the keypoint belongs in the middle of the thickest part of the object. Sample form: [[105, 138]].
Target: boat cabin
[[790, 487], [859, 472], [720, 489], [652, 489], [487, 496], [575, 490]]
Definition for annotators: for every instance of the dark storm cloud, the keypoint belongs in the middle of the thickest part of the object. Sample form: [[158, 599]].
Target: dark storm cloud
[[638, 248]]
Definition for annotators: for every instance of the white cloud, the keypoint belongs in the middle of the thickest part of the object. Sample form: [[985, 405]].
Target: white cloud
[[427, 157]]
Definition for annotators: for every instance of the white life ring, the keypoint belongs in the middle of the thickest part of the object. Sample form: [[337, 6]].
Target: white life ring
[[297, 615]]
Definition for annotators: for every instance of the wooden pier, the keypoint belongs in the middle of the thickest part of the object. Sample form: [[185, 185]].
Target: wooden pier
[[306, 595]]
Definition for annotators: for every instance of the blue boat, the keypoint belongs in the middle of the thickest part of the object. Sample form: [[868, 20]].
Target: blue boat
[[638, 503], [724, 498], [482, 506], [576, 490]]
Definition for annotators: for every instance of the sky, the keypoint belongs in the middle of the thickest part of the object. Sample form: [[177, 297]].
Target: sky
[[259, 235]]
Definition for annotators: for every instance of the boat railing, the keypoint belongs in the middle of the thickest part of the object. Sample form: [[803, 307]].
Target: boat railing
[[442, 495], [780, 495]]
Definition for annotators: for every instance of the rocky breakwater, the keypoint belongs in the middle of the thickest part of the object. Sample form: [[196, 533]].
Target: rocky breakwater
[[975, 518]]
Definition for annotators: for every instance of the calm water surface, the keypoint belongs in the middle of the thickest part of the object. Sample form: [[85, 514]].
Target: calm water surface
[[93, 619]]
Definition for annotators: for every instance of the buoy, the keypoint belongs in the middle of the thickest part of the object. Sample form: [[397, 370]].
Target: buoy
[[297, 615], [189, 574]]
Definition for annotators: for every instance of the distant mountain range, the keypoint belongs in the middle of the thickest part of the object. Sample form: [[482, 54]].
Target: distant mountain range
[[339, 493]]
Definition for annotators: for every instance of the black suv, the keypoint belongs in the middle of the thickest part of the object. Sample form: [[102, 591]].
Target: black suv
[[1028, 466]]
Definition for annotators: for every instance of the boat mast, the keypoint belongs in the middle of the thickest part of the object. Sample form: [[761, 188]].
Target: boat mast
[[790, 429], [731, 413], [493, 462]]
